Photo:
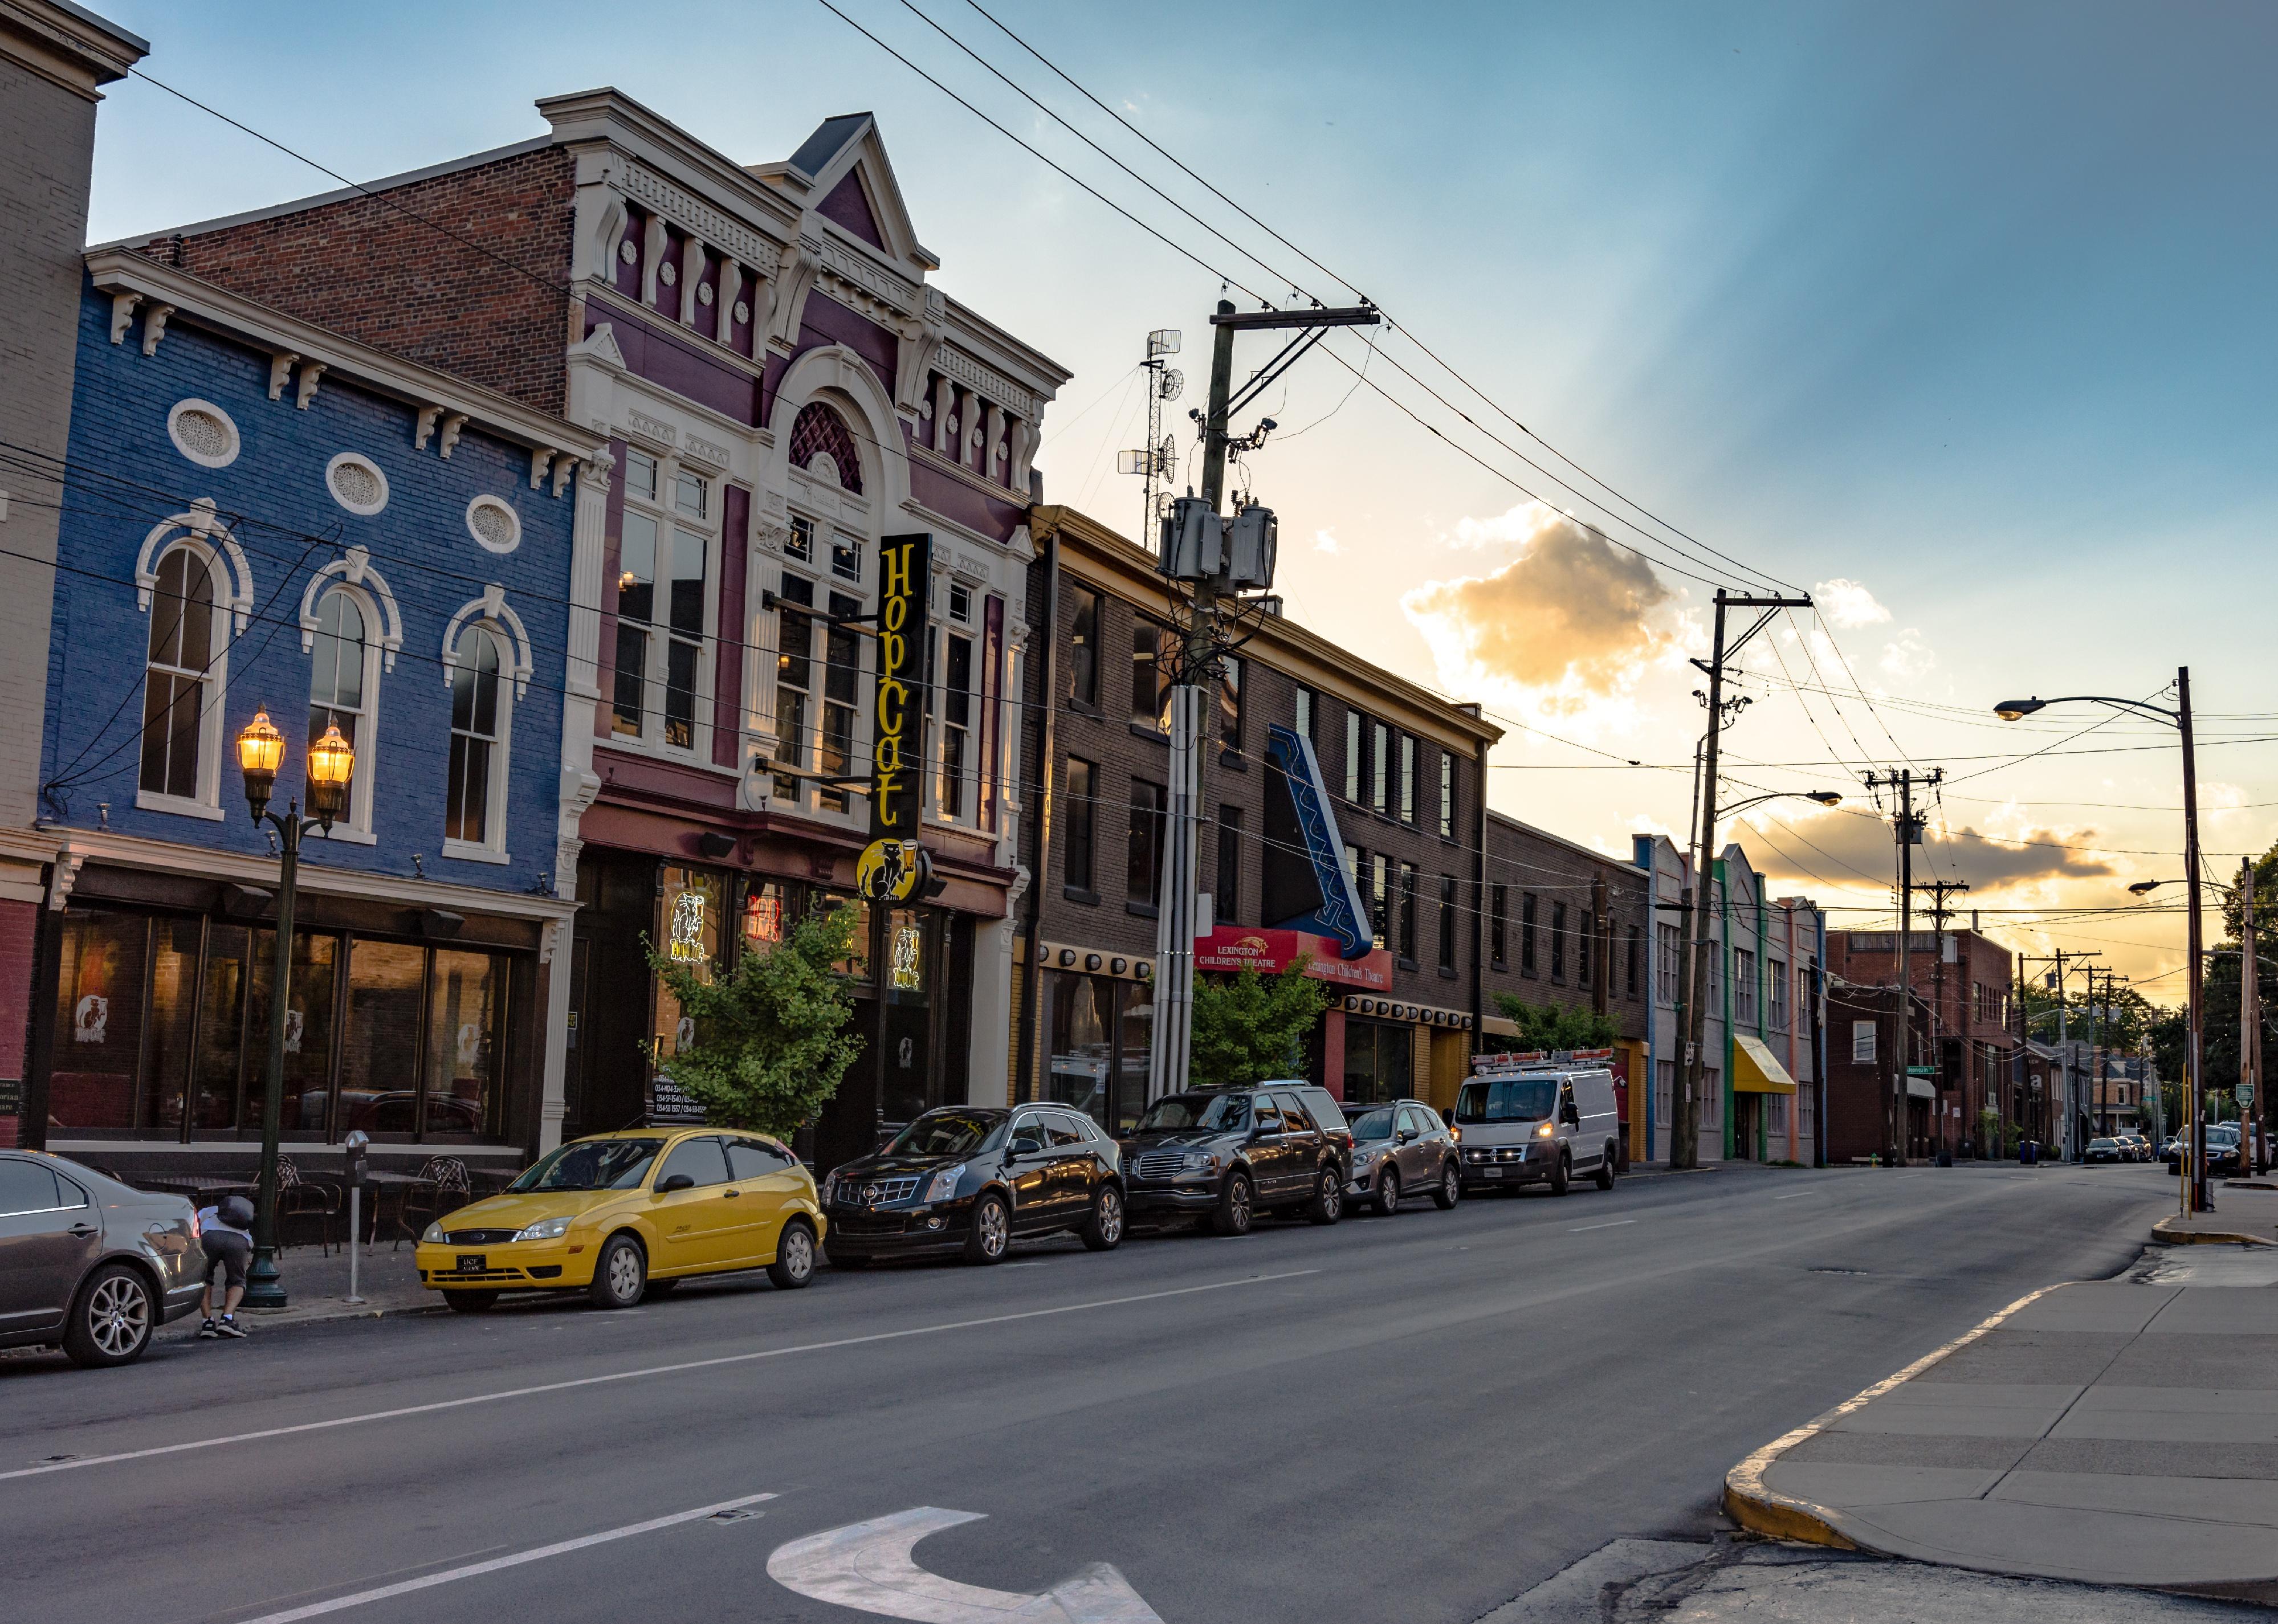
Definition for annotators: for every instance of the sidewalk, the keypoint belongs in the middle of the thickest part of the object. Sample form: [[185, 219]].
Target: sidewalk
[[316, 1286], [2245, 1209], [2109, 1433]]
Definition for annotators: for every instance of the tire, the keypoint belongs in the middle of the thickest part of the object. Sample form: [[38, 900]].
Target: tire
[[794, 1264], [470, 1302], [1606, 1169], [1328, 1202], [1236, 1205], [111, 1319], [620, 1274], [1562, 1175], [1103, 1231], [655, 1289], [1450, 1190], [1387, 1192], [992, 1235]]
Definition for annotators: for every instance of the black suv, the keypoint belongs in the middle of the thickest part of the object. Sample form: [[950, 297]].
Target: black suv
[[1221, 1156], [973, 1178]]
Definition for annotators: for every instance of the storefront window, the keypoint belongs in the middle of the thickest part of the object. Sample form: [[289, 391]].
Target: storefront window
[[1379, 1062], [221, 1028], [308, 1032], [173, 1007], [763, 916], [856, 965], [1101, 1030], [688, 934], [380, 1061], [466, 1031], [1134, 1044], [906, 953], [98, 1024]]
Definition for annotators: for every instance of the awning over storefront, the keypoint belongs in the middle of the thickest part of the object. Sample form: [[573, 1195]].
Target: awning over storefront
[[1756, 1070], [1921, 1088]]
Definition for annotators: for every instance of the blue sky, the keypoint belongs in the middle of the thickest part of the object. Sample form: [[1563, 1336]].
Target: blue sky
[[1965, 305]]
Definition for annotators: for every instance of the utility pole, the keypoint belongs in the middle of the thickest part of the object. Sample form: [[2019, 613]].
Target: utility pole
[[1685, 1138], [1216, 560], [2249, 1025], [2069, 1121], [1908, 824], [1939, 890]]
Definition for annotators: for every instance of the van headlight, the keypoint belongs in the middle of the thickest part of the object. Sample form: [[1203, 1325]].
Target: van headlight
[[943, 1184], [1546, 1131], [545, 1229]]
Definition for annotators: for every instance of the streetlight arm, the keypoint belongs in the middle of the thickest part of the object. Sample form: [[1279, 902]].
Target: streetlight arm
[[2026, 707]]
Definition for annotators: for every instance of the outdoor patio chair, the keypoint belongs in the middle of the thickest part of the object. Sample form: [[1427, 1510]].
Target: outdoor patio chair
[[443, 1187]]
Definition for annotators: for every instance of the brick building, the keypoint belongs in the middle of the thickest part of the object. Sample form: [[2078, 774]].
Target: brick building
[[54, 59], [1865, 1065], [1401, 771], [1965, 981], [781, 387]]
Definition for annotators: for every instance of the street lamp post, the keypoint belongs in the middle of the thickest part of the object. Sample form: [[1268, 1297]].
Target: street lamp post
[[2195, 1191], [332, 761]]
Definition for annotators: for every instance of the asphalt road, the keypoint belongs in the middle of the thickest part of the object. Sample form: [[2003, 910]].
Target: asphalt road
[[1418, 1418]]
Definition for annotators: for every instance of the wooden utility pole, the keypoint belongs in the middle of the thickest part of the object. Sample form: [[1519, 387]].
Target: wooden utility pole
[[1907, 826], [2249, 1025], [1939, 890]]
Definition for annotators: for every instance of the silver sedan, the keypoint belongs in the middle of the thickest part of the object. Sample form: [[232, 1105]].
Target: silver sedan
[[89, 1265]]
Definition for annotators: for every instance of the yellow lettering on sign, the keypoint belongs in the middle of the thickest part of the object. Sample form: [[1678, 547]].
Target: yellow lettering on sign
[[897, 615], [893, 647], [889, 782], [894, 567]]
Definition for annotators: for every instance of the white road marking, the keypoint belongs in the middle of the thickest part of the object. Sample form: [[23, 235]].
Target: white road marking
[[1616, 1224], [1790, 1196], [645, 1371], [428, 1580], [868, 1567]]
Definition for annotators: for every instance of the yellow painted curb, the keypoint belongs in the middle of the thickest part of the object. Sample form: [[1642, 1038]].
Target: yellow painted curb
[[1783, 1516], [2179, 1237]]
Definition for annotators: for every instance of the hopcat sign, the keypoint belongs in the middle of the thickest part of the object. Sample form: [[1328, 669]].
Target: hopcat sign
[[894, 867]]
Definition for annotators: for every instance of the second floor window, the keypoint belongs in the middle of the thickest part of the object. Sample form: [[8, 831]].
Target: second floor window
[[1448, 923], [842, 686], [475, 798], [1447, 796], [1379, 898], [1407, 778], [794, 684], [340, 676], [1151, 693], [1379, 762], [1083, 646], [1142, 877], [1355, 755], [1498, 926], [1308, 709], [1776, 991], [1225, 897], [1076, 817], [1229, 704], [1408, 913], [1743, 985], [1558, 941], [1526, 933], [950, 795], [178, 760], [661, 590]]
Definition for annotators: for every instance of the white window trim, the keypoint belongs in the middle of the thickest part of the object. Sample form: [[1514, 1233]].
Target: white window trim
[[357, 827], [202, 524], [207, 803], [712, 527], [174, 433], [493, 850], [365, 510]]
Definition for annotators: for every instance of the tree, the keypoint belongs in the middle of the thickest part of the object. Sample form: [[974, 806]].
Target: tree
[[1249, 1025], [771, 1040], [1556, 1026]]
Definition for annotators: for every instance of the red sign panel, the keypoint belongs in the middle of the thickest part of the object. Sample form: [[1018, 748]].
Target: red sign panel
[[1271, 951]]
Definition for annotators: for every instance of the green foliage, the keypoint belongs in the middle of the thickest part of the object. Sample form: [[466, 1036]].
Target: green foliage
[[1556, 1026], [771, 1040], [1995, 1136], [1249, 1026]]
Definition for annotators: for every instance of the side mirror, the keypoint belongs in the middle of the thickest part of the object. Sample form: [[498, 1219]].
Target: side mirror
[[1407, 1136], [1026, 1147], [677, 1181]]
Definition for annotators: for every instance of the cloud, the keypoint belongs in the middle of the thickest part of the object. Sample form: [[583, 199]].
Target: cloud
[[1325, 541], [1851, 846], [1846, 603], [1520, 523], [1908, 657], [1572, 621]]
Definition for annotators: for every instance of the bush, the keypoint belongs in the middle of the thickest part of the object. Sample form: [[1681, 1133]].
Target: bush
[[1554, 1026], [1249, 1025]]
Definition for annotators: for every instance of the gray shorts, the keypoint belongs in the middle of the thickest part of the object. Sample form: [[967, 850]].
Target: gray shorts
[[229, 1253]]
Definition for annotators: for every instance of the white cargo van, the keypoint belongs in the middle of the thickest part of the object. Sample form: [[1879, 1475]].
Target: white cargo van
[[1538, 1121]]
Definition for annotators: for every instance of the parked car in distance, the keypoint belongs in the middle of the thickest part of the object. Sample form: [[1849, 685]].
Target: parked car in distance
[[1538, 1122], [2139, 1148], [2221, 1150], [88, 1264], [975, 1178], [1221, 1156], [625, 1216], [1401, 1148], [2103, 1150]]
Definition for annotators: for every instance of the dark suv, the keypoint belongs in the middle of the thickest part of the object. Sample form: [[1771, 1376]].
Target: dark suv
[[971, 1178], [1221, 1156]]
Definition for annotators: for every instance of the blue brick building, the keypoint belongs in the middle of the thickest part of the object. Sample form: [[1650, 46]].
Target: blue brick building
[[259, 513]]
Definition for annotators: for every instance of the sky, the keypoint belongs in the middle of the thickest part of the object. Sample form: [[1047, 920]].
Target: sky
[[1953, 317]]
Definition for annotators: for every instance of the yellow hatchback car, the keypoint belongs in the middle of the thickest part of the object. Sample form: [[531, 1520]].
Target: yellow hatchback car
[[620, 1216]]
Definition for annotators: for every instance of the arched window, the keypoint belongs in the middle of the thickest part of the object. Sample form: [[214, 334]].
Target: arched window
[[474, 815], [181, 708], [343, 680], [818, 430]]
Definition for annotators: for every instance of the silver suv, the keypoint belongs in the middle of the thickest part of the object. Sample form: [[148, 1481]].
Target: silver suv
[[1402, 1148]]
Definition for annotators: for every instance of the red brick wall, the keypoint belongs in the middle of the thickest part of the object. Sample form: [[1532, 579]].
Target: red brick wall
[[364, 267], [19, 929]]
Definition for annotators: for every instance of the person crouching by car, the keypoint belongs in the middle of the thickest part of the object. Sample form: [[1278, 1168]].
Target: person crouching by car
[[226, 1229]]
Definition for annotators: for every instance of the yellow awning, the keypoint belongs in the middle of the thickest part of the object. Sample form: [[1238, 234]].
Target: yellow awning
[[1756, 1070]]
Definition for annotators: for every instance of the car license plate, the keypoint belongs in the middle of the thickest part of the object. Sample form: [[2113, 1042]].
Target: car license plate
[[1494, 1172], [473, 1263]]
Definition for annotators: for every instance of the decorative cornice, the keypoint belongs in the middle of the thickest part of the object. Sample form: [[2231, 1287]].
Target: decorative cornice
[[645, 185], [856, 279], [987, 381]]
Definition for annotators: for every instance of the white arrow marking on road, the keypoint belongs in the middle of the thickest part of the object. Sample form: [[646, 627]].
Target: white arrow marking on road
[[868, 1566]]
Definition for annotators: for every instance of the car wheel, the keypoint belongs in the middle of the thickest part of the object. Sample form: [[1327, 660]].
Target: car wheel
[[1450, 1190], [794, 1264], [620, 1274], [1387, 1192], [991, 1236], [112, 1323], [470, 1302], [1103, 1231], [1328, 1202], [1233, 1205], [1606, 1169], [1562, 1175]]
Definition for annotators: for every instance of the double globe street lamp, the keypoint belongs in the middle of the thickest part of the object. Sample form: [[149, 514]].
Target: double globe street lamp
[[2195, 1191], [331, 763]]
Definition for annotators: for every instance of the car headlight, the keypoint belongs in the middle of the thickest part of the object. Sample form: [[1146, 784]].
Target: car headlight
[[433, 1236], [1200, 1162], [545, 1229], [943, 1184], [1362, 1158]]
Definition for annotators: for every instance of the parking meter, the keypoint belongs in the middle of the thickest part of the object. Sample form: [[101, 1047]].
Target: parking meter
[[356, 1146]]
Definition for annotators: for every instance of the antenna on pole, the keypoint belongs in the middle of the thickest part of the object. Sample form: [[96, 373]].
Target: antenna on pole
[[1158, 461]]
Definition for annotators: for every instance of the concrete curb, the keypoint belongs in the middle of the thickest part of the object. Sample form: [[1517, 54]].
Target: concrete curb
[[2168, 1233], [257, 1319], [1781, 1516]]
